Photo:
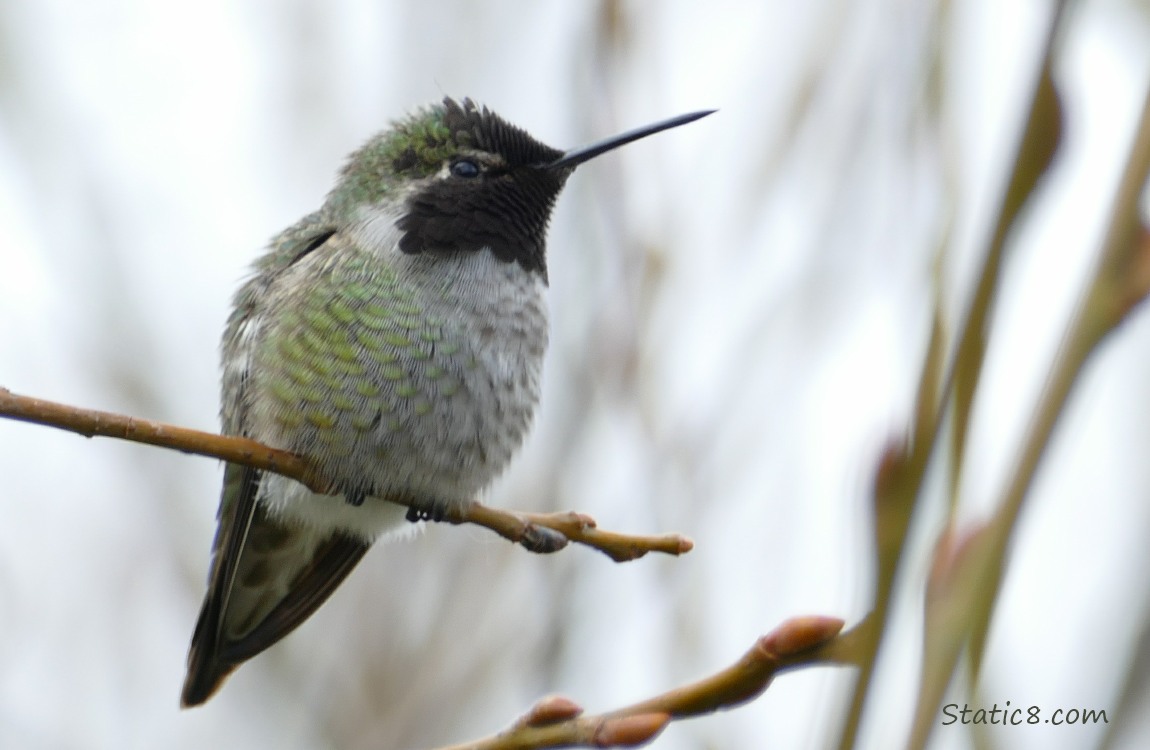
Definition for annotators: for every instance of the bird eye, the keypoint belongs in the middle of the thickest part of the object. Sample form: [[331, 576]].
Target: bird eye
[[465, 168]]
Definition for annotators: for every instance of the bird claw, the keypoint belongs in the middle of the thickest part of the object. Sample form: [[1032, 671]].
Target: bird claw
[[434, 513], [542, 540]]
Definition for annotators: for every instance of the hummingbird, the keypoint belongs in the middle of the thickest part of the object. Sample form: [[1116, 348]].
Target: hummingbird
[[395, 338]]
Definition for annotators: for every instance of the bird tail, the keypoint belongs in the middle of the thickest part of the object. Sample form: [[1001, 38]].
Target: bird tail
[[206, 671]]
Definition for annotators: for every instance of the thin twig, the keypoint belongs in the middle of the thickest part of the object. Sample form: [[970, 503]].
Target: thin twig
[[541, 533], [558, 722]]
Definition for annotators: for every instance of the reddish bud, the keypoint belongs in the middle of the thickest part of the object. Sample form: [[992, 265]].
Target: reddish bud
[[551, 710], [628, 731], [801, 633]]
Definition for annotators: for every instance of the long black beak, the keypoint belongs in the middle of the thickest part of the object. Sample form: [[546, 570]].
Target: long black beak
[[577, 156]]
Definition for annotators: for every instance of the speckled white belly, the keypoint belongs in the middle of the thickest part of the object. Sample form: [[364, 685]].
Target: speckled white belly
[[444, 449]]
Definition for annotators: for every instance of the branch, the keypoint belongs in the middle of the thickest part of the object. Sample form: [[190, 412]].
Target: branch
[[558, 722], [902, 471], [538, 532], [970, 564]]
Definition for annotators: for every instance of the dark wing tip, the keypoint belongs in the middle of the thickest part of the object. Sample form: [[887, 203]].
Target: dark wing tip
[[213, 656], [206, 671], [205, 675]]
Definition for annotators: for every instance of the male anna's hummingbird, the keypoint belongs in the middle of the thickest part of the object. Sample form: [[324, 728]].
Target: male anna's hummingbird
[[395, 338]]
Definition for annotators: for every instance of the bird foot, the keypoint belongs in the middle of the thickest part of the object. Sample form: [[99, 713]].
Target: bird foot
[[434, 513]]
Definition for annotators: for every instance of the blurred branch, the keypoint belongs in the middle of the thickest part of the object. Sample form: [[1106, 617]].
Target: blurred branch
[[1121, 281], [902, 469], [970, 565], [1038, 147], [541, 533], [897, 484], [798, 642], [1036, 150]]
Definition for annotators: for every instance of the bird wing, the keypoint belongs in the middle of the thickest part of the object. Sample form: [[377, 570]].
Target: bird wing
[[267, 577]]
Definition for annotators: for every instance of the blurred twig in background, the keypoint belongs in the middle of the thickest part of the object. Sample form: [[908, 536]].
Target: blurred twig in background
[[737, 323]]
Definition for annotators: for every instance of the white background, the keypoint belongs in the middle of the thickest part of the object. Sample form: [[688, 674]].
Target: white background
[[739, 312]]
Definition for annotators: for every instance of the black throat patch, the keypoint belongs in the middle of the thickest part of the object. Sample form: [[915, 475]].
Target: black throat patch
[[505, 207]]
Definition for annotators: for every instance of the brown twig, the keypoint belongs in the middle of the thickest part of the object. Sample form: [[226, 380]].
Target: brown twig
[[558, 722], [569, 526], [540, 533]]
